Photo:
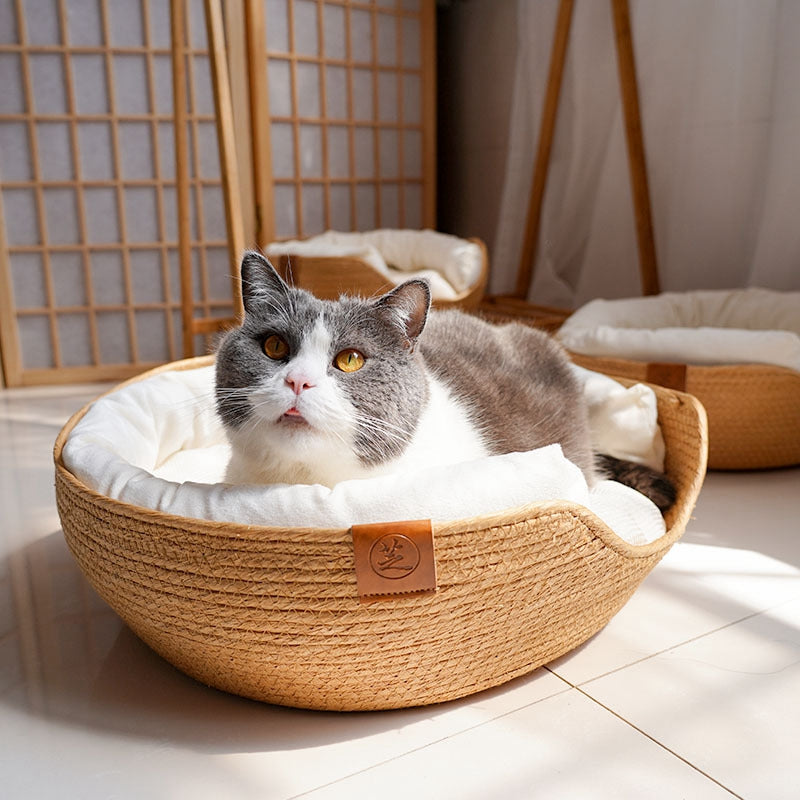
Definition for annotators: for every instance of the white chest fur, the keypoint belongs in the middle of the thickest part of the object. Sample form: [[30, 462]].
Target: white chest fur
[[446, 434]]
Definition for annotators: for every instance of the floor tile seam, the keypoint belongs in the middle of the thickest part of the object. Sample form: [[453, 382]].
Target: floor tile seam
[[658, 743], [567, 688], [671, 647]]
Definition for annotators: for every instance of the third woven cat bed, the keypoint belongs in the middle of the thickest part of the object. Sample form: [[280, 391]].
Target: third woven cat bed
[[275, 614], [737, 351]]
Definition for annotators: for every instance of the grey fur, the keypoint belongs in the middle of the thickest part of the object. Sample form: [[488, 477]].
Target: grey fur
[[391, 388], [515, 381], [518, 381]]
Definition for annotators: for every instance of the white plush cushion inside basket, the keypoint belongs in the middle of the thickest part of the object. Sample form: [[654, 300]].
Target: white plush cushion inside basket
[[451, 265], [158, 443], [742, 326]]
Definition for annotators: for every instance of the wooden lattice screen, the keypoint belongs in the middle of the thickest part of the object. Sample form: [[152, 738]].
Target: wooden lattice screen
[[91, 286], [343, 115], [340, 135]]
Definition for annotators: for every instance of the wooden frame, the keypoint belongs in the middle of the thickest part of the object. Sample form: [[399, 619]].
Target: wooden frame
[[259, 55], [115, 336], [371, 130], [190, 324], [633, 134], [9, 338], [140, 325]]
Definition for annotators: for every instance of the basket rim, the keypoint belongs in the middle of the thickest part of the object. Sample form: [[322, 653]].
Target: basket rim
[[710, 369], [508, 517]]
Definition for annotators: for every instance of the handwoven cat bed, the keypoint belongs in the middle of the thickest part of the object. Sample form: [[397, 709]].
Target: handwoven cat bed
[[737, 351], [275, 614], [370, 263]]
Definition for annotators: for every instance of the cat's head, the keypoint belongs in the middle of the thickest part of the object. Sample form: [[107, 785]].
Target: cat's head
[[307, 379]]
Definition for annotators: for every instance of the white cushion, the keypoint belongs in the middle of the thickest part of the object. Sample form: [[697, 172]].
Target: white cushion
[[158, 443], [450, 264], [739, 326]]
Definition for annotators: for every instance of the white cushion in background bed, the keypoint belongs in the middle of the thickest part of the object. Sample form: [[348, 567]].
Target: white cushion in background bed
[[451, 265], [742, 326], [158, 443]]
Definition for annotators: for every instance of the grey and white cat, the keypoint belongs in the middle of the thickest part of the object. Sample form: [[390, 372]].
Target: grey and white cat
[[316, 391]]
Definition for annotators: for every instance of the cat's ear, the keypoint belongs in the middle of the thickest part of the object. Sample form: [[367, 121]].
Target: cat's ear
[[259, 280], [409, 304]]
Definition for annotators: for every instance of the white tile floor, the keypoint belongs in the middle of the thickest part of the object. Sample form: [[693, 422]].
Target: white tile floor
[[692, 691]]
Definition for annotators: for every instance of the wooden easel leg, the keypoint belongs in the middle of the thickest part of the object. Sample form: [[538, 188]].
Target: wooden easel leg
[[546, 132], [648, 266], [180, 112], [229, 168]]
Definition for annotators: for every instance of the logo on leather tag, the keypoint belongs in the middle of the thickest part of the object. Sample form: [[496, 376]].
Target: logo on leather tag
[[393, 559]]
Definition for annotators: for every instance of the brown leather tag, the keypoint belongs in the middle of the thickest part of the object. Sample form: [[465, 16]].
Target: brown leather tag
[[394, 559], [672, 376]]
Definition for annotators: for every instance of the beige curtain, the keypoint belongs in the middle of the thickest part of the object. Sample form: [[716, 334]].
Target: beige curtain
[[719, 83]]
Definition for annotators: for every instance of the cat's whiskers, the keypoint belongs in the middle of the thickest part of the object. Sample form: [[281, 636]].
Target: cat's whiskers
[[202, 403], [250, 425], [390, 431], [237, 400], [383, 440]]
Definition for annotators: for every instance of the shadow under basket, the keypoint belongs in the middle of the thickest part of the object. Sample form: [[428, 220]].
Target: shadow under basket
[[753, 409], [274, 614]]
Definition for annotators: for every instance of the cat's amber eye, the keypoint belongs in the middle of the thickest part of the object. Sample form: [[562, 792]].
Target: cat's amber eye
[[349, 361], [275, 347]]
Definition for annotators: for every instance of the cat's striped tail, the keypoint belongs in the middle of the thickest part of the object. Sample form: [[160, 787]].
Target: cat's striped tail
[[651, 483]]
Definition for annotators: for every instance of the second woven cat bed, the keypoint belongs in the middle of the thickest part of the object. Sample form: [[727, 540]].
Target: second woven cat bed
[[370, 263], [274, 614]]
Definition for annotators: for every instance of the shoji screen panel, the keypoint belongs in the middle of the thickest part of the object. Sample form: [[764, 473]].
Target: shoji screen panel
[[89, 279], [342, 99]]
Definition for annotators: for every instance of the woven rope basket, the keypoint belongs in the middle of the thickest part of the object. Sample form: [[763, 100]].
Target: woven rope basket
[[274, 614], [753, 409], [328, 277]]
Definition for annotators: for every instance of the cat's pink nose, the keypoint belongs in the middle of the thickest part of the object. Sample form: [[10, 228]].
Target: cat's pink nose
[[298, 383]]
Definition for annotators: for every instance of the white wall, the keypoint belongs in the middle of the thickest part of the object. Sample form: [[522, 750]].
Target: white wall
[[476, 53], [721, 118]]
